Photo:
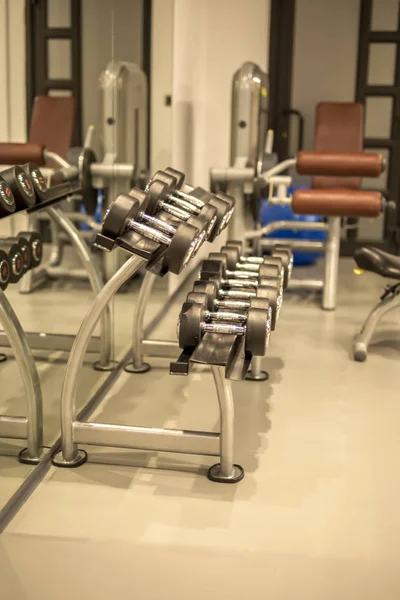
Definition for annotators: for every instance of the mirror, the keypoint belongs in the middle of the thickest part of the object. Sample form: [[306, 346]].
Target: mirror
[[91, 56]]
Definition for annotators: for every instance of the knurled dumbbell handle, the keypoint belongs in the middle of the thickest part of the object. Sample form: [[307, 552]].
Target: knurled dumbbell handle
[[149, 233], [226, 316], [157, 224], [232, 304], [189, 198], [237, 294], [223, 328]]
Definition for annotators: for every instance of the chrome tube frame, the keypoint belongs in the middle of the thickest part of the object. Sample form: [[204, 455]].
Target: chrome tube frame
[[62, 221], [30, 427], [332, 254], [362, 339], [138, 365], [74, 432]]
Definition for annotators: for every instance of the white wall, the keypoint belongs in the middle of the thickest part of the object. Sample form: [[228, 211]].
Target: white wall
[[212, 38], [162, 42]]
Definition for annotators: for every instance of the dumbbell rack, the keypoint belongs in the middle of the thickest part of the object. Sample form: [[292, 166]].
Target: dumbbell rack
[[63, 342], [75, 432]]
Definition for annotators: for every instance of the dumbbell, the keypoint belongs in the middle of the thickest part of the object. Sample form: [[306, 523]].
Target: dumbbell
[[39, 183], [21, 186], [234, 263], [253, 262], [121, 215], [35, 243], [150, 208], [268, 269], [192, 324], [204, 198], [15, 258], [206, 219], [25, 252], [7, 200], [5, 269], [239, 299], [222, 306], [224, 207]]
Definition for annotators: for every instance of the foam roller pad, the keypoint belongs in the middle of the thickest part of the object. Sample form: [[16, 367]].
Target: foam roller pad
[[337, 203], [346, 164]]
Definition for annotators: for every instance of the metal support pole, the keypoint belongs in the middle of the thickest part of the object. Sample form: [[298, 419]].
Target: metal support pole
[[30, 378], [256, 373], [106, 326], [225, 471], [332, 253], [137, 365], [361, 341], [70, 456]]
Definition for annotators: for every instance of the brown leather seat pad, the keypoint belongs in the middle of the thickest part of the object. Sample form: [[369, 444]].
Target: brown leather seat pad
[[357, 164], [52, 123], [337, 202], [18, 154], [339, 127]]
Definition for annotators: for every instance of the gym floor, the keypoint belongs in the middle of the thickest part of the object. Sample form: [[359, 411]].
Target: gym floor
[[316, 516]]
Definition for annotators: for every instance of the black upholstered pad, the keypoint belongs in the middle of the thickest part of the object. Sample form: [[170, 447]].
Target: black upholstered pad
[[377, 261]]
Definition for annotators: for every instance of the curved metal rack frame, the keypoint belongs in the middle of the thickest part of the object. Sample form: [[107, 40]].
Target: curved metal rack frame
[[362, 340], [53, 342], [74, 432], [29, 428]]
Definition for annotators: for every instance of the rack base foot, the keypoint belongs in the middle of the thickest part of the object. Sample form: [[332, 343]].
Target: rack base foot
[[59, 461], [143, 368], [359, 351], [214, 474], [3, 357], [25, 459], [97, 366], [263, 376]]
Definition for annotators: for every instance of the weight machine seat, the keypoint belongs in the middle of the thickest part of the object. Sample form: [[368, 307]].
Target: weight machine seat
[[339, 127], [377, 261]]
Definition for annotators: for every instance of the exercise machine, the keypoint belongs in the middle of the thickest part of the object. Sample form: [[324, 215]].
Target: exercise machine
[[388, 266], [330, 202]]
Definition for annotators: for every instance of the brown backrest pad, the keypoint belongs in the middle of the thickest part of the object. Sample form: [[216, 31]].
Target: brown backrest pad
[[19, 154], [337, 202], [52, 123], [353, 164], [338, 128]]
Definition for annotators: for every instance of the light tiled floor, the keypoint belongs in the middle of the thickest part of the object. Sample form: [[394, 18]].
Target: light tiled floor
[[316, 516]]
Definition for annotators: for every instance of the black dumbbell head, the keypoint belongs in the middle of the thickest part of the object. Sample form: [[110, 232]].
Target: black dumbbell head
[[169, 180], [7, 200], [22, 187], [158, 192], [235, 244], [36, 246], [181, 249], [257, 330], [124, 208], [26, 252], [179, 176], [286, 257], [232, 256], [198, 298], [5, 269], [189, 325], [209, 288], [37, 179], [14, 257]]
